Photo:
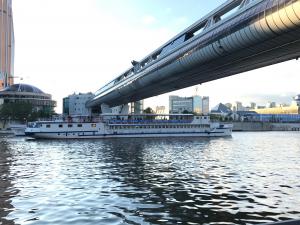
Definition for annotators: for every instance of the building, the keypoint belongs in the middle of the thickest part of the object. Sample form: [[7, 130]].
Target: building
[[271, 105], [292, 109], [24, 93], [74, 105], [205, 105], [252, 105], [194, 104], [184, 104], [7, 44], [180, 104], [137, 107], [197, 104], [160, 109], [221, 110], [282, 109], [237, 106], [228, 105]]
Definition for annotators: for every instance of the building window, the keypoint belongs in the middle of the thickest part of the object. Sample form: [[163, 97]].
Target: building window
[[93, 125], [60, 125], [48, 125], [70, 125], [79, 125]]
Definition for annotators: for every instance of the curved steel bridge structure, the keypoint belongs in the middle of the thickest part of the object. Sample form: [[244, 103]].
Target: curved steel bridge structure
[[238, 36]]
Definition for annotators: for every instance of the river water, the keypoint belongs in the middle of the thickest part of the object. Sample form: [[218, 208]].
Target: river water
[[249, 178]]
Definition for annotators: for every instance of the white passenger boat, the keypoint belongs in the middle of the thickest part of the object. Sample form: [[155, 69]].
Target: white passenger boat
[[129, 126]]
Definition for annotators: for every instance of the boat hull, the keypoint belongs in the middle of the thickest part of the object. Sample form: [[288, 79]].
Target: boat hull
[[82, 135], [190, 126]]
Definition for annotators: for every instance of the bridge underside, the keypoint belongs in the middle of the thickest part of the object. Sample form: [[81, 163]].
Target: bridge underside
[[227, 66], [265, 32]]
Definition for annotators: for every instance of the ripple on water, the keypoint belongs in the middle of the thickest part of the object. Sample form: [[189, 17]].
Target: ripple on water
[[238, 180]]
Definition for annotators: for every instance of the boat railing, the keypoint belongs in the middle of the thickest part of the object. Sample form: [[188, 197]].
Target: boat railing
[[69, 120], [148, 121]]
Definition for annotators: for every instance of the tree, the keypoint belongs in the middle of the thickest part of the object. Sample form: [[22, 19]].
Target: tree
[[22, 111], [15, 111], [186, 112], [149, 110], [215, 117]]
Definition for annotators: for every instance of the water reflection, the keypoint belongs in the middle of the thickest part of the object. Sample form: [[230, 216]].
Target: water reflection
[[181, 186], [6, 187], [246, 179]]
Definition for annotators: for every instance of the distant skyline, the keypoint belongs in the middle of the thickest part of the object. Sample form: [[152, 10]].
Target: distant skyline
[[69, 46]]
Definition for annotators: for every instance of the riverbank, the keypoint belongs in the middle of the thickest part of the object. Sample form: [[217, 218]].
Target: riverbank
[[263, 126]]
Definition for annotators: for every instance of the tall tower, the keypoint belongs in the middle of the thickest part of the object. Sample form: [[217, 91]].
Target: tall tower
[[7, 44]]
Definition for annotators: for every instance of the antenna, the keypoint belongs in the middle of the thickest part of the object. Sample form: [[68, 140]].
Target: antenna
[[196, 93]]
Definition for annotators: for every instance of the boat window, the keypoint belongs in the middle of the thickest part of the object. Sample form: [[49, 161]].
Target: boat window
[[79, 125], [60, 125], [93, 125], [48, 125], [70, 125]]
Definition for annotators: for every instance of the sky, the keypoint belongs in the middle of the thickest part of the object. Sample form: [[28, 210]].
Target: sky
[[71, 46]]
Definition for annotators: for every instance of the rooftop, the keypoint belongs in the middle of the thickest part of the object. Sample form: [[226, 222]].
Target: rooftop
[[22, 88]]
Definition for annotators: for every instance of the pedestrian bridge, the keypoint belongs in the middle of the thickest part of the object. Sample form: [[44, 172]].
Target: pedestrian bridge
[[238, 36]]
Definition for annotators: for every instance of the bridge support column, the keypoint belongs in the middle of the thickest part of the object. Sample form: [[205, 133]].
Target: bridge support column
[[105, 108], [121, 109]]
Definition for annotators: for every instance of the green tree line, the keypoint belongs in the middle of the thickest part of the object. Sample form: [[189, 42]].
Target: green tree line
[[22, 111]]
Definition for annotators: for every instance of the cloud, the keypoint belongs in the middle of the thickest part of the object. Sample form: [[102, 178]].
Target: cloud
[[168, 10], [82, 49], [63, 53], [149, 20], [181, 21]]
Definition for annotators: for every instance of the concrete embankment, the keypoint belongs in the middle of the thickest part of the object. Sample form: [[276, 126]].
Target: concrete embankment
[[262, 126]]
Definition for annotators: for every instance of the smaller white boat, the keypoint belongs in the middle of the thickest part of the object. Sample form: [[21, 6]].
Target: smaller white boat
[[6, 132], [18, 129], [129, 126]]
